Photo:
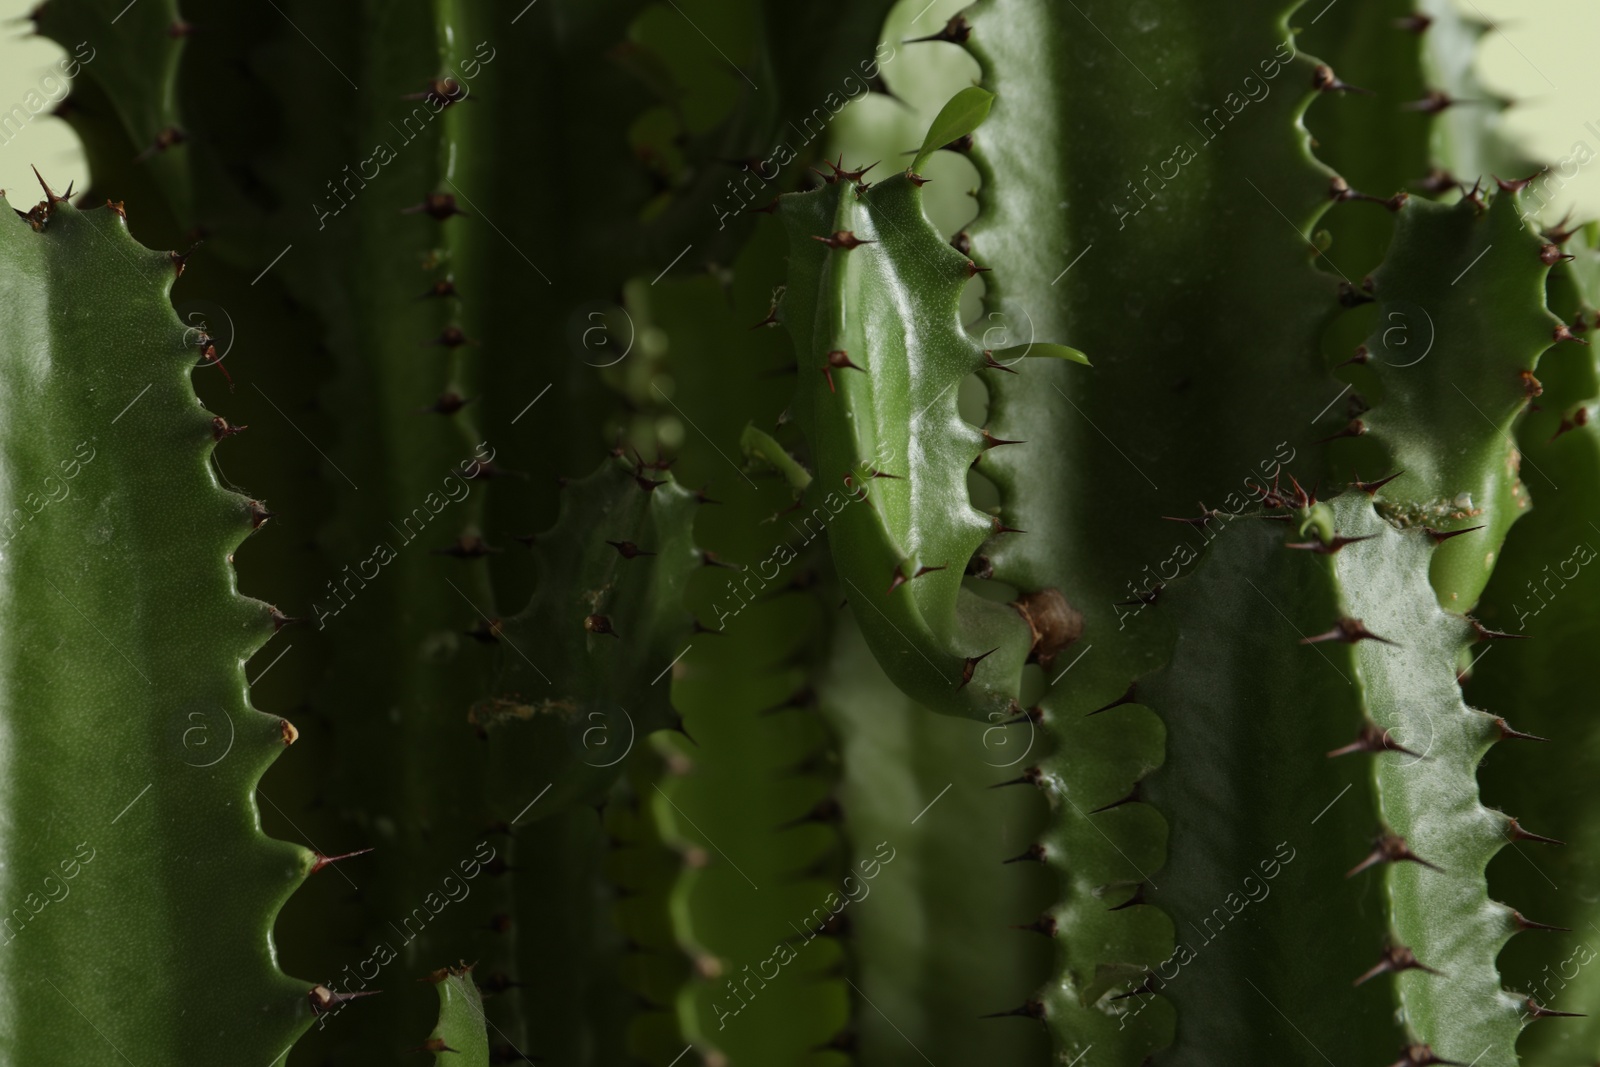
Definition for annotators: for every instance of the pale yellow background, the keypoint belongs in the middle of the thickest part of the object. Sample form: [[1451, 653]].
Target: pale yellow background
[[1539, 55]]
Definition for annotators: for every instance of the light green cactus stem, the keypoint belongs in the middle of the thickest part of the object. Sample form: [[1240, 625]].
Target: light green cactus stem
[[756, 650], [460, 1038], [136, 871], [758, 904], [1469, 142], [1543, 590], [1448, 367]]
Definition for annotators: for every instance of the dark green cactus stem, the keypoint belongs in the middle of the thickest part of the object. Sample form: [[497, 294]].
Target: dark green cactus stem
[[644, 868], [460, 1038], [934, 933], [582, 679], [582, 669], [125, 708]]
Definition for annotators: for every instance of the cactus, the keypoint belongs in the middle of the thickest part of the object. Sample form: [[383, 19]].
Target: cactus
[[684, 759], [149, 882]]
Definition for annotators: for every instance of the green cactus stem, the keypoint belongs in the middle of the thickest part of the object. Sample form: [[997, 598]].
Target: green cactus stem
[[460, 1038], [136, 871]]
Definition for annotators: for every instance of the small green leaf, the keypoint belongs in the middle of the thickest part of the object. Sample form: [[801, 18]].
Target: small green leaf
[[964, 113], [1008, 356], [763, 447]]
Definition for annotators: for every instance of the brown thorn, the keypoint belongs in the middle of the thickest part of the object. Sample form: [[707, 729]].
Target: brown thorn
[[280, 620], [1207, 515], [221, 428], [1361, 357], [1347, 631], [1133, 901], [1539, 1011], [1353, 428], [1390, 848], [439, 206], [1515, 831], [842, 239], [1435, 101], [1486, 634], [1563, 333], [1551, 254], [1351, 297], [1580, 417], [956, 31], [1129, 696], [324, 999], [323, 861], [1033, 854], [1396, 958], [467, 546], [1371, 488], [1372, 738], [971, 665], [1508, 734], [838, 359], [1324, 80], [449, 403], [1420, 1055], [991, 363], [1031, 776], [1440, 538], [1328, 548], [1133, 796], [600, 624], [450, 337], [1044, 924], [1523, 923], [991, 441], [628, 550]]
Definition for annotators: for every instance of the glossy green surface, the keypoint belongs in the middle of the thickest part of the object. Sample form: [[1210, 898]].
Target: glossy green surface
[[881, 350], [136, 875]]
